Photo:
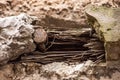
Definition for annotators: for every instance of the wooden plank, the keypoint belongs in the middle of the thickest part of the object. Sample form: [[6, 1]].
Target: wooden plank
[[62, 56]]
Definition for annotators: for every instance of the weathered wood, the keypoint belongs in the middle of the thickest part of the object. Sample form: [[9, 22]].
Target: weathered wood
[[67, 41], [70, 32], [68, 48], [68, 56]]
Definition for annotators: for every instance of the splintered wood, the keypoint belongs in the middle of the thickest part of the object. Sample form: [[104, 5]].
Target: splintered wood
[[68, 45]]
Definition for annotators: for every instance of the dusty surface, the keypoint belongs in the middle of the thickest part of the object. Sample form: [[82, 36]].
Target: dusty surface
[[52, 71], [66, 9], [61, 12], [58, 71]]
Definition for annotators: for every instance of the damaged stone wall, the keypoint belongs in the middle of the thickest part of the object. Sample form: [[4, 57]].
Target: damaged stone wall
[[68, 11]]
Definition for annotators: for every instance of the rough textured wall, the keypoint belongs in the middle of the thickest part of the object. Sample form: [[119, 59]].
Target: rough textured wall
[[66, 10]]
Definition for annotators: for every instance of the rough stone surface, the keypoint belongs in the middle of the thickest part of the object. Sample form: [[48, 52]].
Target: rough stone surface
[[63, 12], [58, 71], [72, 10], [15, 37], [52, 71], [106, 22]]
